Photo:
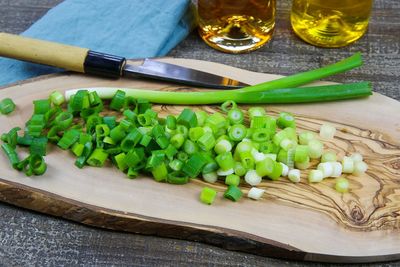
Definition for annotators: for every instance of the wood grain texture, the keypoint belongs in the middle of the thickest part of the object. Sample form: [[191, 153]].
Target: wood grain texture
[[327, 221], [48, 241]]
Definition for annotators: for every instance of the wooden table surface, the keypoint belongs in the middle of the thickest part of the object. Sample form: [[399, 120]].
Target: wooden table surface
[[29, 238]]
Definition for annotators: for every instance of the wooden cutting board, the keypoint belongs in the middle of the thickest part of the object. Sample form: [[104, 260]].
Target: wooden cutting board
[[302, 221]]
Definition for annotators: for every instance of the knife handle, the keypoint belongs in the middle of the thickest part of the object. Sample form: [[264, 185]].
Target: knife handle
[[60, 55]]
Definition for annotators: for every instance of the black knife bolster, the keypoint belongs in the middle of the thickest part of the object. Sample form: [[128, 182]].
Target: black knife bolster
[[104, 64]]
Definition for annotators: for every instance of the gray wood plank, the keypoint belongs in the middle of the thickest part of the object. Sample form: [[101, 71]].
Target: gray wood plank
[[28, 238]]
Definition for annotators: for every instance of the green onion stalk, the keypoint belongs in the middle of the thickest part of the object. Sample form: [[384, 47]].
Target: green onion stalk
[[282, 90]]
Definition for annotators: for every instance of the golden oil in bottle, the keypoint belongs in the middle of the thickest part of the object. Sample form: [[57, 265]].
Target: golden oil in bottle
[[330, 23], [236, 26]]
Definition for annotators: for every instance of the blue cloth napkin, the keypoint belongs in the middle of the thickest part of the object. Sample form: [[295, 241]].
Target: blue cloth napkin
[[128, 28]]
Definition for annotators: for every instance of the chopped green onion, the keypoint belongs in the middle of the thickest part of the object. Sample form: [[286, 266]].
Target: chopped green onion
[[239, 169], [180, 129], [228, 105], [36, 125], [210, 177], [337, 169], [145, 141], [232, 179], [221, 172], [171, 122], [119, 160], [194, 165], [357, 157], [258, 122], [287, 157], [79, 102], [360, 167], [11, 137], [216, 122], [235, 116], [294, 175], [252, 178], [342, 185], [348, 165], [6, 106], [306, 137], [285, 169], [195, 133], [211, 166], [160, 172], [247, 160], [316, 149], [11, 154], [223, 146], [77, 149], [225, 161], [237, 132], [207, 195], [97, 158], [182, 156], [130, 140], [177, 140], [129, 115], [144, 120], [38, 146], [110, 121], [141, 105], [132, 173], [327, 131], [187, 118], [256, 112], [24, 140], [328, 156], [233, 193], [285, 119], [190, 147], [315, 176], [63, 120], [176, 165], [130, 103], [201, 117], [303, 165], [41, 106], [276, 171], [301, 153], [68, 139], [37, 165], [118, 101], [132, 158], [326, 168], [117, 133], [177, 178], [279, 137], [255, 193], [87, 151], [206, 142]]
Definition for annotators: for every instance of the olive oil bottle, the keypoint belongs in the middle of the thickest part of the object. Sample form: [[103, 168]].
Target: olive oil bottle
[[330, 23], [236, 26]]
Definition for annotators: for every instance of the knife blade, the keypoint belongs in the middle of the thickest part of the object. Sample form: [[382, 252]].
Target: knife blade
[[87, 61], [174, 73]]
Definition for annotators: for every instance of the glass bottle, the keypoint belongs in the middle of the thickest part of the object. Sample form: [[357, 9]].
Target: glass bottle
[[236, 26], [330, 23]]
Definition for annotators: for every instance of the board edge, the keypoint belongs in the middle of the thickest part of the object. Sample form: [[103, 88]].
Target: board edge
[[55, 205]]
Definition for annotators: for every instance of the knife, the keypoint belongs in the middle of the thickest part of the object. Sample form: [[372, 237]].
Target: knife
[[87, 61]]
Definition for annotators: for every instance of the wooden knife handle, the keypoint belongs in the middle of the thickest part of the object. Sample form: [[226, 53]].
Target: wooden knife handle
[[43, 52], [59, 55]]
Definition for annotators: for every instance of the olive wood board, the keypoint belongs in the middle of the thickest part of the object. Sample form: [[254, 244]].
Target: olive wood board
[[303, 221]]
